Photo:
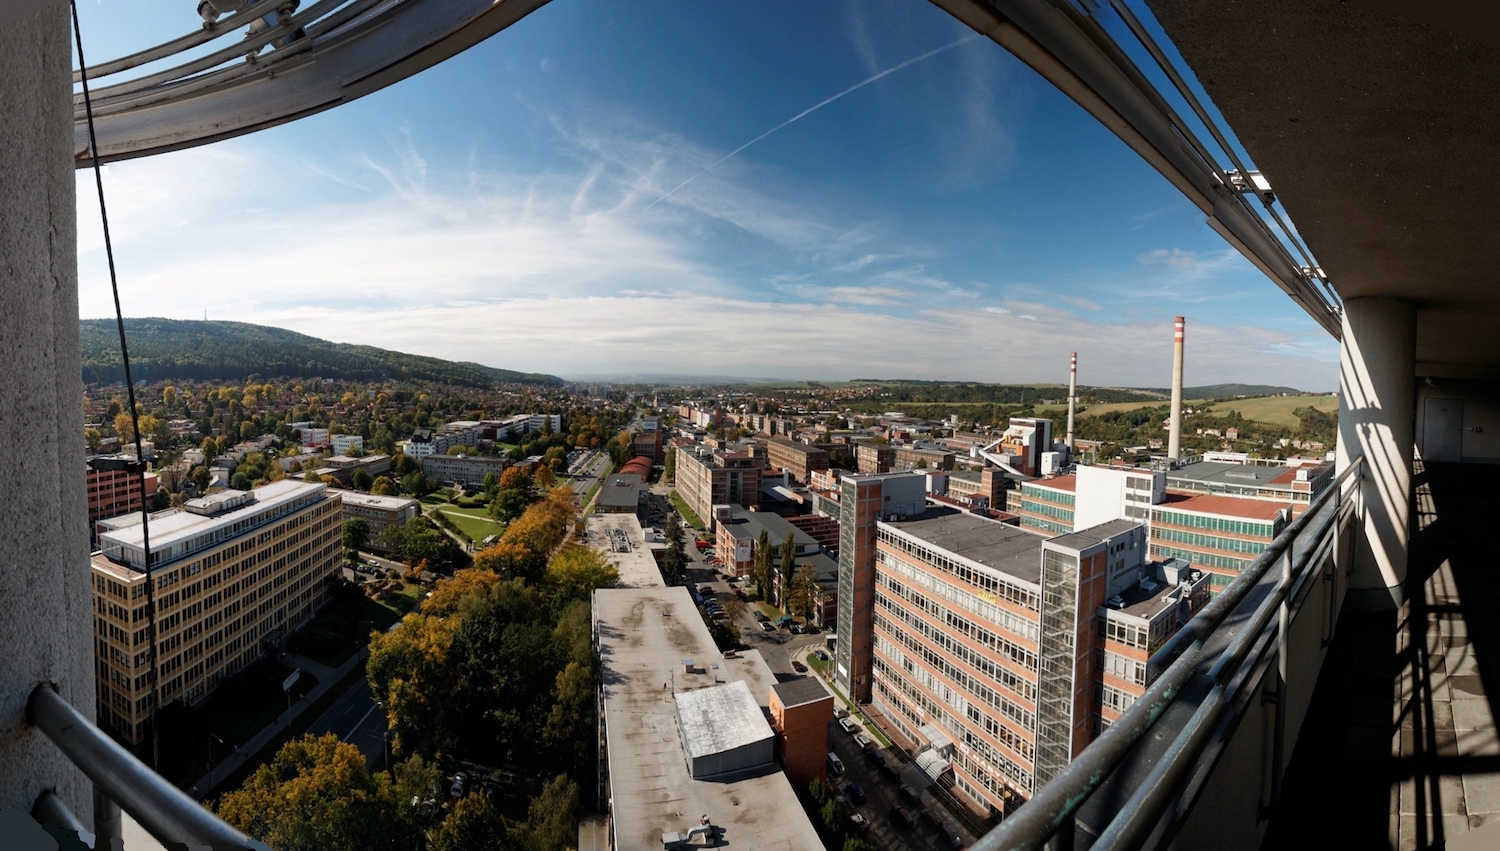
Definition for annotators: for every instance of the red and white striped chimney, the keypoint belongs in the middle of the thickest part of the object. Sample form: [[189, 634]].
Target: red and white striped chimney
[[1174, 442]]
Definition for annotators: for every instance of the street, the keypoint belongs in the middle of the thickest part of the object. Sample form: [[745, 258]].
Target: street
[[355, 718]]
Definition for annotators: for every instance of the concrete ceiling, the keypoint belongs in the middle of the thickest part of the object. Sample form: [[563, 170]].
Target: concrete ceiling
[[1380, 133]]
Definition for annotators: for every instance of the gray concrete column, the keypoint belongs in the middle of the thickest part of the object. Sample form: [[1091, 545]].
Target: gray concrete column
[[1377, 389], [45, 599]]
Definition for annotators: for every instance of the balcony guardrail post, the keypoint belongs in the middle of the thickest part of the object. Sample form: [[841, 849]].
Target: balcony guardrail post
[[108, 826], [1278, 730]]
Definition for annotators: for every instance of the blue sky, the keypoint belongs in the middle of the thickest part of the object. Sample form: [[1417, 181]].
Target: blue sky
[[955, 219]]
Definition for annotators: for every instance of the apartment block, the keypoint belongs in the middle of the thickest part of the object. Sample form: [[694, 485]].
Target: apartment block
[[988, 484], [1220, 534], [799, 459], [348, 444], [737, 530], [234, 573], [874, 457], [114, 489], [468, 469], [379, 513], [648, 441], [951, 618], [922, 458], [706, 478]]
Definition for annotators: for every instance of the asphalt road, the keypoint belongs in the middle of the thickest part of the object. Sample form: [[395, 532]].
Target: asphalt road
[[356, 719]]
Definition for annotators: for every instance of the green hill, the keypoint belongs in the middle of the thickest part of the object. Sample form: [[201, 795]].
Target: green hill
[[162, 349]]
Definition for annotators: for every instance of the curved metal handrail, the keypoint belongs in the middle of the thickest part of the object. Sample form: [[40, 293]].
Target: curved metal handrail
[[165, 811], [349, 49], [1055, 804]]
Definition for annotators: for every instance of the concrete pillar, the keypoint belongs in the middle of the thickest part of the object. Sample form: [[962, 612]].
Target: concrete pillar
[[46, 623], [1376, 406]]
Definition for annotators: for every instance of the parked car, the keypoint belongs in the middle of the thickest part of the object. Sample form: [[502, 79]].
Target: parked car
[[767, 626], [835, 765], [910, 794], [821, 657], [859, 821], [950, 835], [888, 769], [900, 817], [460, 784], [799, 667], [848, 726], [865, 742], [855, 793], [840, 711]]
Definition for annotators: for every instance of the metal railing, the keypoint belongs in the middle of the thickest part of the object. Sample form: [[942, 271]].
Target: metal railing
[[1306, 544], [123, 782]]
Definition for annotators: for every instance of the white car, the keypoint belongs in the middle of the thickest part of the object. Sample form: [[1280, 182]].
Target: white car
[[848, 726]]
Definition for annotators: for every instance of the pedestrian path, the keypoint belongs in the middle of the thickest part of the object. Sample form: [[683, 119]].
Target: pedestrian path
[[327, 678]]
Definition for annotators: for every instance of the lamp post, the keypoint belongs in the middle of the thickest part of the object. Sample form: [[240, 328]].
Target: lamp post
[[211, 765]]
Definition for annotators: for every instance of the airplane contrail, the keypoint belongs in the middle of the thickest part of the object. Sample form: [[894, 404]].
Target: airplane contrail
[[814, 108]]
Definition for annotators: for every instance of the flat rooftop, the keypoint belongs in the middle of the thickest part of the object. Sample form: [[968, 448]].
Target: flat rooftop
[[369, 500], [999, 546], [744, 523], [800, 691], [1229, 475], [645, 634], [721, 718], [1067, 483], [175, 525], [1085, 538], [623, 543], [1224, 506]]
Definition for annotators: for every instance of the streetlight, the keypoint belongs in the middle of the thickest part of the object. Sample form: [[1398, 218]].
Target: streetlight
[[211, 758]]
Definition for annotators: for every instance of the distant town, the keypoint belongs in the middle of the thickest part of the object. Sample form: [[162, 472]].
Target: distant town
[[839, 598]]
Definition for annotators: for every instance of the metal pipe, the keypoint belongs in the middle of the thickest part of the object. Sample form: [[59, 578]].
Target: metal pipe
[[1053, 806], [165, 811], [49, 809], [108, 825], [1174, 441]]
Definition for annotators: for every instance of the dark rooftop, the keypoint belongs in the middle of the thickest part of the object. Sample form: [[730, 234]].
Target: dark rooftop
[[801, 690], [1082, 540]]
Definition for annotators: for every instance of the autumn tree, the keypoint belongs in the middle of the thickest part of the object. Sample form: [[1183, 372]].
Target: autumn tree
[[552, 820], [574, 573], [788, 570], [473, 825], [383, 486], [806, 592], [361, 479], [408, 673], [760, 565], [316, 795]]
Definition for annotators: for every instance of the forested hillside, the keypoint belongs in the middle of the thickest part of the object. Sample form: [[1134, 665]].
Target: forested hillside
[[165, 349]]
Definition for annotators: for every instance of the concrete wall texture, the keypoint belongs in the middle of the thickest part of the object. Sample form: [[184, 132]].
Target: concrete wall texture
[[45, 622]]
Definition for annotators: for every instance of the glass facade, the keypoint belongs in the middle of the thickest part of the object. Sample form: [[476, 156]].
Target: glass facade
[[1054, 729]]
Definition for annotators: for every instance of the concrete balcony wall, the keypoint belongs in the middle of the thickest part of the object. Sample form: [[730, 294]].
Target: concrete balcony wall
[[45, 599]]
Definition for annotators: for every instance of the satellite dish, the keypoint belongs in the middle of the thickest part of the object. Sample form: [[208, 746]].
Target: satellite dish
[[273, 64]]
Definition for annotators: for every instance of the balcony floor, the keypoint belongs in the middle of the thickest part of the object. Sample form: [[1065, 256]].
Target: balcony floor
[[1399, 749]]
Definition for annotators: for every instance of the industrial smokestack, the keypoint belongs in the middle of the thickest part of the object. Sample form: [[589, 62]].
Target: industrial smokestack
[[1072, 399], [1174, 443]]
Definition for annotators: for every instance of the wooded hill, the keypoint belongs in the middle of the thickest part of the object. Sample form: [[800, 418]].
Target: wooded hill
[[177, 349]]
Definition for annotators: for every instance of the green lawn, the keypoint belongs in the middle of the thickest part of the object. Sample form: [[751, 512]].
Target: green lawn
[[687, 513], [1276, 410], [474, 522]]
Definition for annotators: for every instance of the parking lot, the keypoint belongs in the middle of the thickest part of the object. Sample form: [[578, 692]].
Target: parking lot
[[882, 790]]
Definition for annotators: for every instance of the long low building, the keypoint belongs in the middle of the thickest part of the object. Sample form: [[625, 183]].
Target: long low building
[[468, 469], [686, 732]]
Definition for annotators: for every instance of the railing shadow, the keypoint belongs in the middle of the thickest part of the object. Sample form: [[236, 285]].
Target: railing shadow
[[1401, 722]]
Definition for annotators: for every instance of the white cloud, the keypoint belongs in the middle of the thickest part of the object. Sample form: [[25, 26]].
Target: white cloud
[[1189, 265], [557, 272]]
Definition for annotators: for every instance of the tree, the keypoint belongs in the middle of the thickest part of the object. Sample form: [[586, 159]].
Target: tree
[[474, 825], [409, 675], [383, 486], [516, 478], [241, 481], [552, 820], [669, 467], [92, 439], [316, 795], [788, 570], [576, 571], [509, 503], [806, 592], [491, 484], [356, 537], [544, 477], [674, 561], [760, 565], [201, 478], [361, 479]]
